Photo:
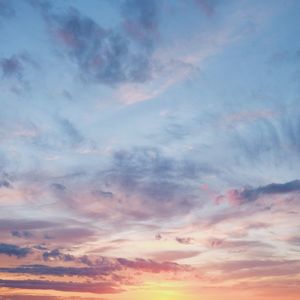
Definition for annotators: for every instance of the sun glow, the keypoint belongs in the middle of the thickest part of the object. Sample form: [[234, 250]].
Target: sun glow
[[162, 291]]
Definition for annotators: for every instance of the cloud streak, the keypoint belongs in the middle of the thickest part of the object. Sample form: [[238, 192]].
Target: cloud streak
[[97, 287]]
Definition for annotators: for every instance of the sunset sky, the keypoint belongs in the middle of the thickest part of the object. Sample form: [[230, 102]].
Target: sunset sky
[[149, 150]]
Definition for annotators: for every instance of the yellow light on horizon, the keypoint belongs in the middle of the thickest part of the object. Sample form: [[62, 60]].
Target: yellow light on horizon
[[161, 291], [155, 290]]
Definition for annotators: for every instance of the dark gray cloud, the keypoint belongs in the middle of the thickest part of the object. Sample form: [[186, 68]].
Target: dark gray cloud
[[273, 188], [247, 195], [14, 250]]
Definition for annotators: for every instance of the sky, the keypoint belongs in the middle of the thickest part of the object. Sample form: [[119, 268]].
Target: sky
[[149, 149]]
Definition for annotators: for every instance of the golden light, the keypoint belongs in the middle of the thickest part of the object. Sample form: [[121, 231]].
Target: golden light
[[161, 291]]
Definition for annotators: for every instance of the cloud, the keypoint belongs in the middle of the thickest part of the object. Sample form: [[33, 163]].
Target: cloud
[[150, 163], [4, 183], [294, 241], [141, 20], [103, 194], [60, 271], [66, 232], [248, 195], [14, 250], [13, 72], [131, 57], [58, 187], [57, 255], [88, 287], [101, 266], [151, 266], [238, 265], [137, 184], [26, 224], [161, 185], [158, 236], [72, 133], [270, 140], [184, 240], [21, 234], [105, 55], [253, 270], [34, 297], [260, 268], [174, 255], [70, 234], [237, 244], [12, 66]]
